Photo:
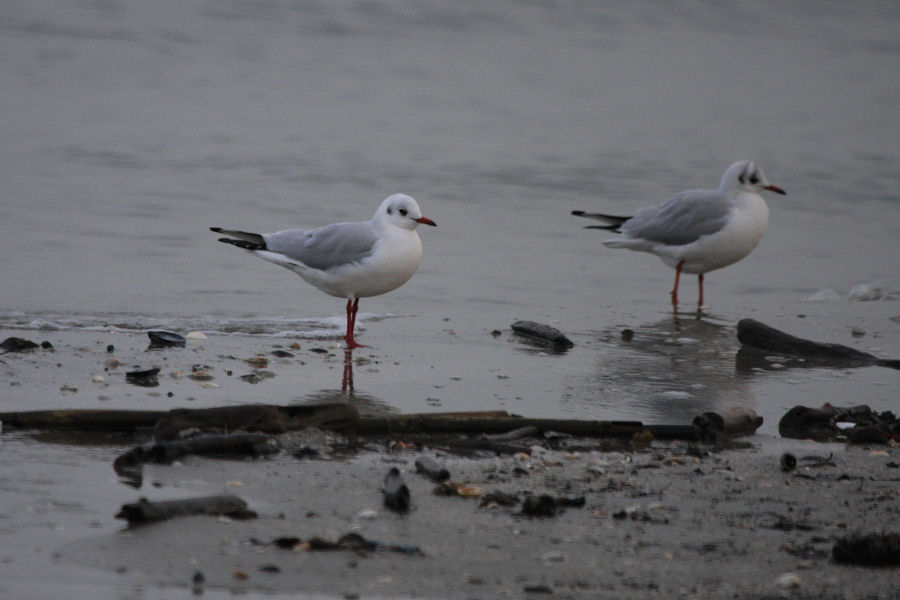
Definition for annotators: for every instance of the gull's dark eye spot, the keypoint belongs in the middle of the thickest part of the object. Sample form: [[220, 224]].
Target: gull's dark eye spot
[[754, 179], [403, 211]]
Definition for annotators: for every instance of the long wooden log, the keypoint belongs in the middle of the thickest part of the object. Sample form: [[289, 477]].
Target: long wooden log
[[253, 417], [277, 419], [83, 419], [441, 424]]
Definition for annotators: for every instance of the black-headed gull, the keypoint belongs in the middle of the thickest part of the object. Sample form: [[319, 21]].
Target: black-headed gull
[[698, 231], [347, 260]]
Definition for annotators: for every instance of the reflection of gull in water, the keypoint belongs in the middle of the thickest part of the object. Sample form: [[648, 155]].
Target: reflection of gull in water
[[365, 403], [667, 373]]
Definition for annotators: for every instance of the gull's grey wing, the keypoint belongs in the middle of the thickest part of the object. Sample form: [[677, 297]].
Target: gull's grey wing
[[684, 219], [324, 248]]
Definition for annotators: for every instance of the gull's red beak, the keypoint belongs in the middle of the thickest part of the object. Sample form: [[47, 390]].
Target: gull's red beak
[[776, 189], [427, 221]]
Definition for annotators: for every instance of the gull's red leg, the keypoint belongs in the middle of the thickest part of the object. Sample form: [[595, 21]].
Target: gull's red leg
[[700, 283], [352, 307], [675, 288]]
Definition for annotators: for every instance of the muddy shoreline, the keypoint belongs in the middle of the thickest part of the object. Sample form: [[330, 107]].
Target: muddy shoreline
[[667, 520], [664, 519]]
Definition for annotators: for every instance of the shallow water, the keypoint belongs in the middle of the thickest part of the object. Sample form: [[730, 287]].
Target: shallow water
[[130, 128]]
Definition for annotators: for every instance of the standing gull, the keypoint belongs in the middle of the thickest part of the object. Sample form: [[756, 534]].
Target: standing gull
[[347, 260], [698, 231]]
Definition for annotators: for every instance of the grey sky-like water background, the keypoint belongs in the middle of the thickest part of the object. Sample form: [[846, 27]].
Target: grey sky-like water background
[[129, 128]]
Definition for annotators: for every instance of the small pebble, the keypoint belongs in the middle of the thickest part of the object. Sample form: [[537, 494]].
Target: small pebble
[[554, 556], [368, 514], [260, 362], [827, 295], [165, 339], [788, 581], [197, 582], [866, 292]]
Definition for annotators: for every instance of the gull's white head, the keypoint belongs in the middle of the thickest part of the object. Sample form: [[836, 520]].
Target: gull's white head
[[746, 176], [401, 210]]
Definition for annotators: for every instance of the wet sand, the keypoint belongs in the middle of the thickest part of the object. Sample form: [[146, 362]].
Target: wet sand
[[134, 127], [722, 526], [658, 521]]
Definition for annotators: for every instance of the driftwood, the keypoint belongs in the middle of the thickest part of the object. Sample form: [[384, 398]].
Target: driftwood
[[543, 505], [727, 423], [515, 434], [351, 541], [83, 419], [166, 452], [14, 344], [874, 550], [432, 469], [542, 335], [144, 511], [442, 424], [265, 418], [481, 444], [758, 336], [821, 424], [273, 419]]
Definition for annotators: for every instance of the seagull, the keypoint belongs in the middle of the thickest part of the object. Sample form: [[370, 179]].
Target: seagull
[[698, 231], [347, 260]]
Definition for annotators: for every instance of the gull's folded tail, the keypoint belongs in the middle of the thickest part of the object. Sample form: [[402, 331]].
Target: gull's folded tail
[[245, 240], [613, 223]]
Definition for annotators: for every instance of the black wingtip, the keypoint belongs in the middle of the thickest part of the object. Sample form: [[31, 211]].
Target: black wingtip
[[242, 244], [578, 213], [216, 229]]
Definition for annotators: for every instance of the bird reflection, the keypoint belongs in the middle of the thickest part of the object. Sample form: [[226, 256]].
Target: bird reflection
[[347, 379], [366, 403], [668, 370]]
